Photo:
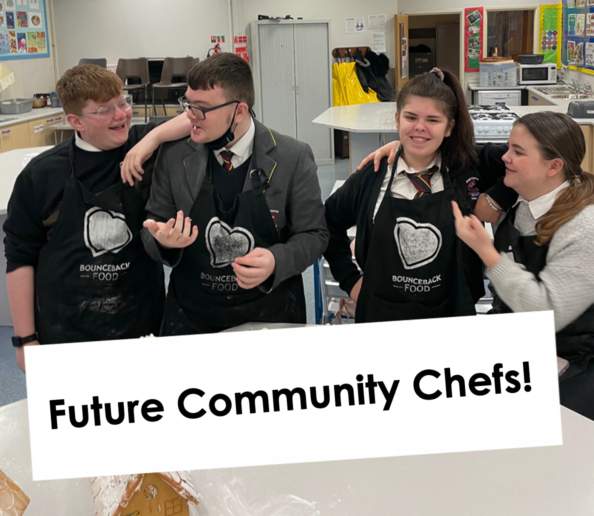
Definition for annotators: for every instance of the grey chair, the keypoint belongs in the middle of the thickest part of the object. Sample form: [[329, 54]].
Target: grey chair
[[173, 67], [135, 69], [102, 62]]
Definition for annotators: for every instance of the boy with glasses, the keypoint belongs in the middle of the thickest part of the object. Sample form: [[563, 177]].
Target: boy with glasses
[[76, 267], [235, 210]]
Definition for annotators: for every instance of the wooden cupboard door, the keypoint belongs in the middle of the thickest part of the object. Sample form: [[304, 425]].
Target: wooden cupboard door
[[138, 112], [535, 100], [173, 110], [37, 133], [587, 163], [40, 133], [14, 137]]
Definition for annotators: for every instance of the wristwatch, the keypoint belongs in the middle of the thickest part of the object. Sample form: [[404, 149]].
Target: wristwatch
[[17, 342]]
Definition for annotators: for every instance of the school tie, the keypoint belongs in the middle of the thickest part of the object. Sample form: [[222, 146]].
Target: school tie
[[422, 181], [226, 155]]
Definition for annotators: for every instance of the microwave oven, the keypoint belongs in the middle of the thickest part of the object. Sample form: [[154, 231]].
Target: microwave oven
[[545, 73]]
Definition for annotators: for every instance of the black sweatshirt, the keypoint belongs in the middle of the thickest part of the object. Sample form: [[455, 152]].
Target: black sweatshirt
[[37, 195]]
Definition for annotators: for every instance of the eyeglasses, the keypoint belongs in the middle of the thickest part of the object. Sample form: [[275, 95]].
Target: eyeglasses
[[125, 104], [198, 112]]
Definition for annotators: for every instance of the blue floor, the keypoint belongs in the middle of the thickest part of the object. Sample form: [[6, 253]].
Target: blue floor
[[12, 379]]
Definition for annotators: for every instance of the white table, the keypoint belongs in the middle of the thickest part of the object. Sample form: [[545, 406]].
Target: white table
[[370, 126], [11, 164], [549, 481]]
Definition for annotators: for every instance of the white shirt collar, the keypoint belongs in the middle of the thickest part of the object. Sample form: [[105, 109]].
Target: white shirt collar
[[402, 167], [81, 144], [540, 205], [243, 147]]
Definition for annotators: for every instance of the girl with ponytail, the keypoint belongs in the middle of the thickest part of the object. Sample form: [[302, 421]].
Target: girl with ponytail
[[543, 254], [414, 266]]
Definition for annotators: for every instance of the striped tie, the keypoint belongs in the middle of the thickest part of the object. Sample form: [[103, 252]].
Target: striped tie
[[226, 155], [422, 181]]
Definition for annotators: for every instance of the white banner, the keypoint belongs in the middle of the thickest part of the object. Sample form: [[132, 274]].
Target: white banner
[[295, 395]]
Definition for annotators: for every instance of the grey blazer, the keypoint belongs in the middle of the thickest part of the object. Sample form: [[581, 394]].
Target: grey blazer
[[294, 193]]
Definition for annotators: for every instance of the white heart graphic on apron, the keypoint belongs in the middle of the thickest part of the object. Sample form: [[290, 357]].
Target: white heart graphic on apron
[[106, 231], [418, 243], [225, 244]]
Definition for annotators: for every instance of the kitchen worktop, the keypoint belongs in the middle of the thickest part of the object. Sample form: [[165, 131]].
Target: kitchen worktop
[[474, 86], [31, 115]]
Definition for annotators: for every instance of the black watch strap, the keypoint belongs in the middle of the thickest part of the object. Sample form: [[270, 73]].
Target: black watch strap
[[17, 342]]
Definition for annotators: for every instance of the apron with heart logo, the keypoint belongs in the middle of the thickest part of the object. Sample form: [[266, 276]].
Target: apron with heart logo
[[203, 295], [575, 342], [94, 280], [414, 267]]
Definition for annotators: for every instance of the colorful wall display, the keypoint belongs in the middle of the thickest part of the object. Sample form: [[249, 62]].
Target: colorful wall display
[[577, 29], [23, 29], [473, 38], [551, 31]]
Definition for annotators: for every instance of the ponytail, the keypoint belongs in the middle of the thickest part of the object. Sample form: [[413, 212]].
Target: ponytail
[[568, 204]]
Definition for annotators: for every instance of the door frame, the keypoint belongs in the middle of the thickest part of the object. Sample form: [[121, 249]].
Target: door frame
[[460, 13], [535, 35]]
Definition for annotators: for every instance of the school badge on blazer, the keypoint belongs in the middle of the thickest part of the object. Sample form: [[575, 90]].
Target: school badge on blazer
[[105, 231], [418, 243], [225, 243]]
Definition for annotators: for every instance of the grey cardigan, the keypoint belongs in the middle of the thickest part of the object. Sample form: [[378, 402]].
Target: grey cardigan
[[294, 192]]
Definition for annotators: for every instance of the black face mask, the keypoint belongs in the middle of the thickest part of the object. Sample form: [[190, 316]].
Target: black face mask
[[227, 137]]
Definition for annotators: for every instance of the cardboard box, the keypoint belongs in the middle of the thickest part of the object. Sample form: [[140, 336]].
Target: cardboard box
[[498, 74]]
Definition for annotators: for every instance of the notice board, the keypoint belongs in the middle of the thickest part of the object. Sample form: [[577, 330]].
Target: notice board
[[23, 29]]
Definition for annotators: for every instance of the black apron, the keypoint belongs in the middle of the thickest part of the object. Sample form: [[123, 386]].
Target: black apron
[[414, 267], [203, 295], [575, 342], [94, 280]]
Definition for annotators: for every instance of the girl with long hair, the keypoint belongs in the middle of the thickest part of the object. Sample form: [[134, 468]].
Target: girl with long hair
[[413, 264], [541, 258]]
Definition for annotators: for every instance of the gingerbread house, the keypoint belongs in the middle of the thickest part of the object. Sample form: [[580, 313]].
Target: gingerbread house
[[156, 494], [13, 501]]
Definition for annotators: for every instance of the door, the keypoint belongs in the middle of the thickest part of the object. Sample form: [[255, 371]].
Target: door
[[277, 78], [402, 54], [447, 48], [313, 97]]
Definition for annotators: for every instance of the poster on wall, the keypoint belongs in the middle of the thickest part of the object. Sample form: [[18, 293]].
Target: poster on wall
[[577, 27], [473, 38], [23, 29], [551, 31]]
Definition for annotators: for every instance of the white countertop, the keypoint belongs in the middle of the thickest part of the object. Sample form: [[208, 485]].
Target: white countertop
[[31, 115], [11, 164], [547, 481], [474, 86], [378, 117]]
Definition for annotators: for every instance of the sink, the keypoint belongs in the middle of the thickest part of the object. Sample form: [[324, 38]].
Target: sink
[[6, 119], [570, 96], [554, 89]]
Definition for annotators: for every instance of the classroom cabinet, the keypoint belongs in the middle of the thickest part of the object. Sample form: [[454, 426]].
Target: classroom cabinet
[[536, 100], [14, 136], [291, 64], [39, 133], [170, 110]]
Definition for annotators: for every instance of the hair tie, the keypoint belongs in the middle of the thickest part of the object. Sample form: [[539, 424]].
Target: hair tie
[[438, 72], [580, 172]]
